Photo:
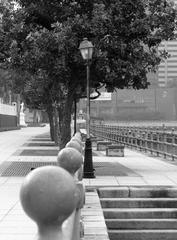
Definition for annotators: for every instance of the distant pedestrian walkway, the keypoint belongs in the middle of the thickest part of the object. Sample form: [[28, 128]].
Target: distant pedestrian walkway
[[10, 141], [32, 147]]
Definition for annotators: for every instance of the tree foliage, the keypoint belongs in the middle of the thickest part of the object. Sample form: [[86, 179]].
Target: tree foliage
[[41, 39], [125, 34]]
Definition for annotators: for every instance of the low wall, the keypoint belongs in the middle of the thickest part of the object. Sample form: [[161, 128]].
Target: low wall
[[8, 116], [8, 121]]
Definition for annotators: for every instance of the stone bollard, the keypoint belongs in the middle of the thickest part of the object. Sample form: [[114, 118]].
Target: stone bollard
[[78, 135], [74, 138], [70, 159], [74, 144], [49, 195], [77, 140]]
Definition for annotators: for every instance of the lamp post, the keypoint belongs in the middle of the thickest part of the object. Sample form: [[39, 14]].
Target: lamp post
[[75, 115], [86, 49]]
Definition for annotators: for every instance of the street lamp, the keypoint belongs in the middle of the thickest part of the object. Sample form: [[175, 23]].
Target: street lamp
[[86, 49]]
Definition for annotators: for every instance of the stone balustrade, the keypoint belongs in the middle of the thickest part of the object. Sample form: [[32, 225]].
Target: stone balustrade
[[53, 196]]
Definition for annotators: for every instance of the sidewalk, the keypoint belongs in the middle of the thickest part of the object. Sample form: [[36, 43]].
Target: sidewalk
[[22, 148], [136, 169]]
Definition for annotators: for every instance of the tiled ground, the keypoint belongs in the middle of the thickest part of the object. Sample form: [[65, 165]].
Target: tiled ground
[[14, 224], [140, 170]]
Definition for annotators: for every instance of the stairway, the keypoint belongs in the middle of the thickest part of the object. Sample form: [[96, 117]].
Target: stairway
[[140, 213]]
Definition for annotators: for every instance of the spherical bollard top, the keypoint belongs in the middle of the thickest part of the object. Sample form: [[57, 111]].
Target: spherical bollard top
[[74, 144], [70, 159], [77, 140], [48, 194], [78, 135]]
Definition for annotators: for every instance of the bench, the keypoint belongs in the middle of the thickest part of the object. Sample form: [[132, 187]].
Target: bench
[[101, 145], [115, 150]]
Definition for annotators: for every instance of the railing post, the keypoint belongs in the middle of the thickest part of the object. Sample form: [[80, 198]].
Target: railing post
[[165, 142], [138, 137], [130, 137], [146, 140], [151, 141], [140, 140], [173, 144], [157, 141]]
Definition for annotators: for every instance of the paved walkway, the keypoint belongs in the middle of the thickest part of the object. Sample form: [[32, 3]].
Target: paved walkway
[[140, 169], [136, 169]]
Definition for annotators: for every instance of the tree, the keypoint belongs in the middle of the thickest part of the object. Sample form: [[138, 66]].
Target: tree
[[42, 39]]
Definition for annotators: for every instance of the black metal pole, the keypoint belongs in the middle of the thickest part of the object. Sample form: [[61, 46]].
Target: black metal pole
[[75, 115], [88, 161], [155, 99]]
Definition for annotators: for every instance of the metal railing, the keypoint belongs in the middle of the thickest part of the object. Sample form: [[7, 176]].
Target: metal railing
[[159, 141], [53, 196]]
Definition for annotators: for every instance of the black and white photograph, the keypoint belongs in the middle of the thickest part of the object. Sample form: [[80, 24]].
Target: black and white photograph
[[88, 119]]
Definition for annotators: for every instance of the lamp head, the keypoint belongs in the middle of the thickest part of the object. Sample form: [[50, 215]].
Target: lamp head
[[86, 49]]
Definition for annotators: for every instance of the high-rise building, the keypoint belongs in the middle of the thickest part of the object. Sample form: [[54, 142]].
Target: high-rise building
[[167, 72]]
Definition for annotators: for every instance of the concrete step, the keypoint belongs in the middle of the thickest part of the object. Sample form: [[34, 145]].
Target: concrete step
[[160, 234], [138, 202], [141, 223], [141, 213], [138, 192]]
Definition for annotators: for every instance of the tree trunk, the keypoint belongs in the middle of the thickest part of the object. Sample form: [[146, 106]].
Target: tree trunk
[[51, 122], [75, 115], [56, 122], [35, 120], [64, 112]]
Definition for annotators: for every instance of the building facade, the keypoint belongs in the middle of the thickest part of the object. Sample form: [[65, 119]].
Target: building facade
[[167, 72]]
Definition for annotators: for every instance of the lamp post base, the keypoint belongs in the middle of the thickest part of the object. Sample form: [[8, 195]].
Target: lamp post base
[[88, 162]]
